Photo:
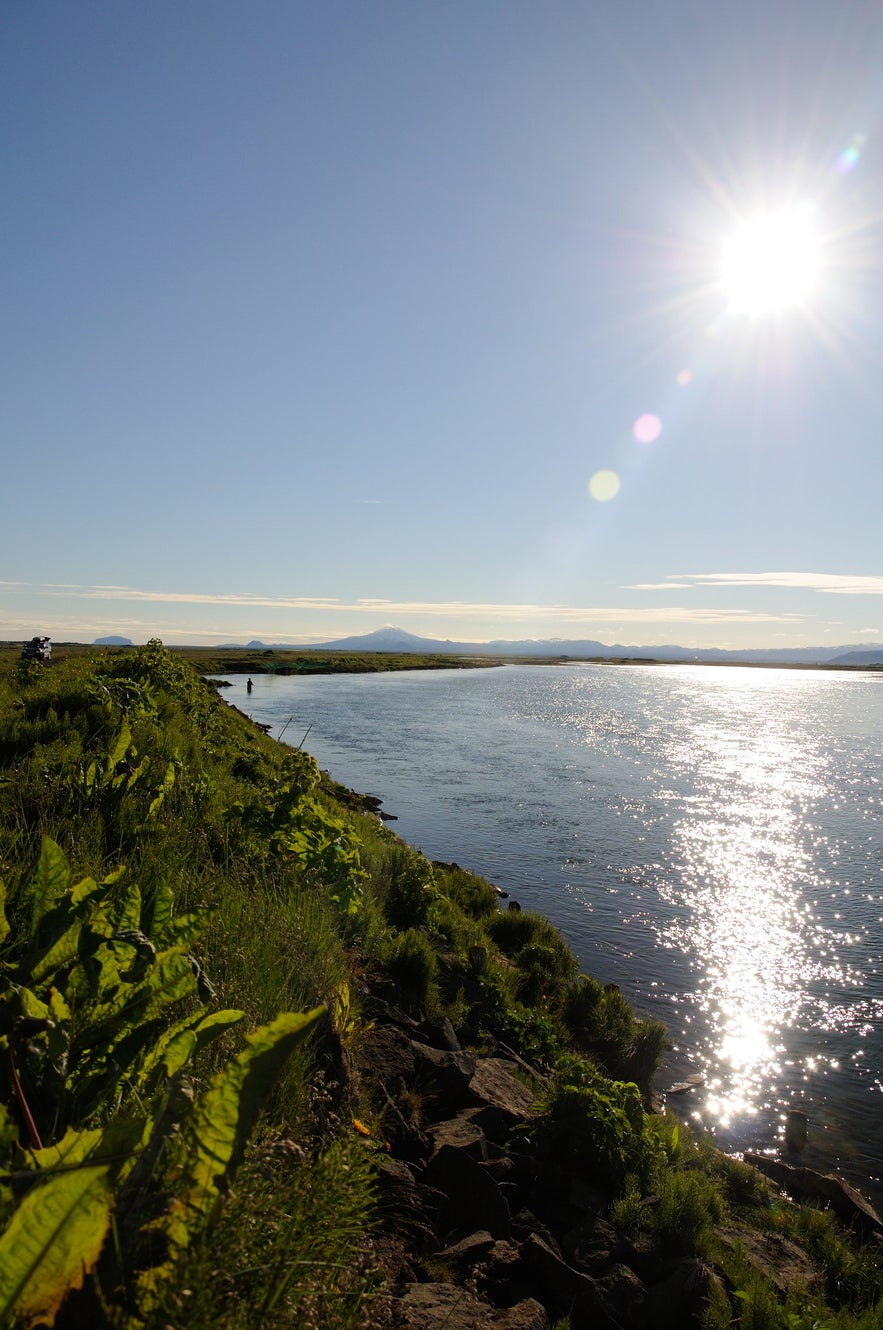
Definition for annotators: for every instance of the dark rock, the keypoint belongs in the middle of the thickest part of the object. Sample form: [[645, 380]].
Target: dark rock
[[503, 1167], [378, 1010], [525, 1224], [786, 1265], [564, 1290], [526, 1315], [471, 1198], [625, 1298], [500, 1276], [595, 1246], [462, 1133], [409, 1142], [505, 1101], [641, 1253], [405, 1206], [679, 1302], [390, 1057], [447, 1307], [795, 1130], [847, 1203], [468, 1250], [561, 1196], [438, 1032], [589, 1244], [586, 1198], [513, 905], [540, 1077], [442, 1077]]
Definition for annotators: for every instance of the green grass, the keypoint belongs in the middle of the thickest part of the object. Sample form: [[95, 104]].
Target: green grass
[[130, 758]]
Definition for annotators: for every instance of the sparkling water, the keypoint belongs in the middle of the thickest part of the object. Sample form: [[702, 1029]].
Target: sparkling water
[[709, 838]]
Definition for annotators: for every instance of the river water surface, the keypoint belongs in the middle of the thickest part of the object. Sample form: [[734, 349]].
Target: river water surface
[[711, 839]]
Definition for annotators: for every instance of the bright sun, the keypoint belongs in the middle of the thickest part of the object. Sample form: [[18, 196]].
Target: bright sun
[[771, 262]]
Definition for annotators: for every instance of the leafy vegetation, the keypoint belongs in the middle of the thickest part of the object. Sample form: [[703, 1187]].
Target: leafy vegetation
[[187, 915]]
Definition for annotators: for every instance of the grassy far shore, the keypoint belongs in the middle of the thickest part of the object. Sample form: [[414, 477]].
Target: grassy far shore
[[209, 660], [242, 660], [192, 921]]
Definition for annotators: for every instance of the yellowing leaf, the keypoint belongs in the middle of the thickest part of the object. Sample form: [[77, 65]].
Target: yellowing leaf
[[4, 923], [52, 1242]]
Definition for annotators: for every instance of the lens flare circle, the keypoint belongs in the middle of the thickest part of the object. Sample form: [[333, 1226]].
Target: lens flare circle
[[770, 263], [604, 486], [647, 428]]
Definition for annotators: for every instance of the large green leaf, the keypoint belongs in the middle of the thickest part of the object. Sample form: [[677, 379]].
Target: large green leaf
[[116, 1145], [127, 913], [216, 1132], [155, 919], [88, 886], [120, 748], [51, 880], [209, 1028], [59, 953], [52, 1242]]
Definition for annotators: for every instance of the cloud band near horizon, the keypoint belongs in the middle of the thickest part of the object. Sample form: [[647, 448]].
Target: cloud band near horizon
[[836, 584], [436, 609]]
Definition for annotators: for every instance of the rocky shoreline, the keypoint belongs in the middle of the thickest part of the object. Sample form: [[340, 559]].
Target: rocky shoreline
[[478, 1229]]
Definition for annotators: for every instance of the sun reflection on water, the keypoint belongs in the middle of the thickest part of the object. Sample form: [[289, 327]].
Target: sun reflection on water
[[744, 869]]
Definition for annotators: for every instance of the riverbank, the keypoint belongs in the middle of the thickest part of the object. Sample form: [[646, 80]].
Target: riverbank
[[456, 1134], [704, 839]]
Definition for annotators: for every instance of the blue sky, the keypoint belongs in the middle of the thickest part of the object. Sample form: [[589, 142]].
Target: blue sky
[[318, 317]]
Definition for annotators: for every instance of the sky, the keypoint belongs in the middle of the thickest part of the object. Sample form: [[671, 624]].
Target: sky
[[483, 318]]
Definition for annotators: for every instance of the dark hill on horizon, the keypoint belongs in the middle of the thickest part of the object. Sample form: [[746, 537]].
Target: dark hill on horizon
[[390, 638]]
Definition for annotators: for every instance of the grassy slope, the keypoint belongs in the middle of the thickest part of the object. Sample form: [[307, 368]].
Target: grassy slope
[[129, 758]]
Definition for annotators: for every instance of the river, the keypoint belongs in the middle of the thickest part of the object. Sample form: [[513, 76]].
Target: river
[[709, 838]]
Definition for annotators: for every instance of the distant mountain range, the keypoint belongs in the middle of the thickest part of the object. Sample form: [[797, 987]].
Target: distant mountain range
[[396, 639], [113, 642]]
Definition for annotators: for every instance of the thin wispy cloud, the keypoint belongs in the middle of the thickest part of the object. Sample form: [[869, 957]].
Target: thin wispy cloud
[[836, 584], [484, 610]]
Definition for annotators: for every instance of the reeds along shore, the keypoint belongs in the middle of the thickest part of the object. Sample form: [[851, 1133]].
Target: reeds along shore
[[201, 940]]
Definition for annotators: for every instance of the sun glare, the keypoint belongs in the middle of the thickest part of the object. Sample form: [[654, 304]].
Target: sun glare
[[771, 262]]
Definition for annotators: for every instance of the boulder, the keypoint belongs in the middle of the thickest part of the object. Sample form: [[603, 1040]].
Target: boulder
[[406, 1206], [679, 1301], [503, 1099], [625, 1298], [448, 1307], [787, 1266], [563, 1290], [438, 1032], [390, 1058], [461, 1132], [526, 1315], [805, 1184], [525, 1223], [442, 1077], [470, 1197], [468, 1250], [437, 1306]]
